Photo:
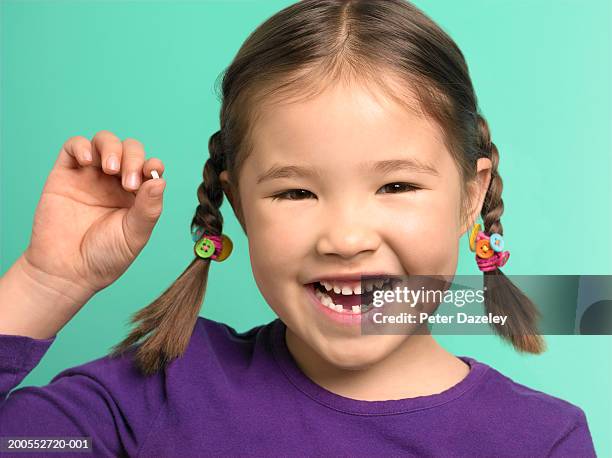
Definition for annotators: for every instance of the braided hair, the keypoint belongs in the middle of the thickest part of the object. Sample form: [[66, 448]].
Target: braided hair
[[502, 297], [166, 324]]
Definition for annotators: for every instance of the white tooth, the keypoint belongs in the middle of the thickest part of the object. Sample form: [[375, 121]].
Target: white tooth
[[338, 307], [357, 289], [337, 289], [326, 285], [347, 290], [369, 285], [323, 298], [356, 309]]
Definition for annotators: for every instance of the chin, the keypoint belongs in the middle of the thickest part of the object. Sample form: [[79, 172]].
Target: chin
[[356, 358]]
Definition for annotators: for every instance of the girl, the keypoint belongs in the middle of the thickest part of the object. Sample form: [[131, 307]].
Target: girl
[[350, 146]]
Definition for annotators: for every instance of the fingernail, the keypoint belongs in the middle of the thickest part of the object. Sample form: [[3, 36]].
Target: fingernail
[[112, 163], [87, 155], [132, 181]]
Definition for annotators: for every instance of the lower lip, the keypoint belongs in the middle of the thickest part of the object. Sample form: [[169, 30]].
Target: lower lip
[[347, 319]]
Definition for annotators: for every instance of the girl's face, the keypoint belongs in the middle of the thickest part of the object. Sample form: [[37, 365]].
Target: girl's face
[[318, 199]]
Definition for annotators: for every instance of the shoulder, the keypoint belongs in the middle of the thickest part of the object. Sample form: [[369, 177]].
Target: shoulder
[[522, 396], [210, 339], [217, 331], [553, 419], [214, 348]]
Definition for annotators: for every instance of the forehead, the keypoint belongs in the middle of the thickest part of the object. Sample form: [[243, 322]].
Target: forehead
[[345, 124]]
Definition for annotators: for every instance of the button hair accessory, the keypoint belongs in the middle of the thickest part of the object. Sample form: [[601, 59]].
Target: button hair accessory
[[488, 248], [215, 247]]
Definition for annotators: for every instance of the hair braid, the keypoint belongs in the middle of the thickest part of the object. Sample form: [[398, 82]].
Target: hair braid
[[210, 192], [167, 323], [493, 206], [502, 297]]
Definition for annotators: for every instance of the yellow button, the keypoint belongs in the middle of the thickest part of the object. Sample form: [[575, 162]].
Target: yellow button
[[226, 249], [473, 234]]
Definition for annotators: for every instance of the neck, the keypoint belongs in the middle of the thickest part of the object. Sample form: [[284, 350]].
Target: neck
[[418, 367]]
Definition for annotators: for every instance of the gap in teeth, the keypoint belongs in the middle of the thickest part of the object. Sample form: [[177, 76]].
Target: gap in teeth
[[328, 302]]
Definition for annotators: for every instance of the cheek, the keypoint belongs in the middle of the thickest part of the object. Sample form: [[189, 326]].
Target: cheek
[[276, 246], [426, 239]]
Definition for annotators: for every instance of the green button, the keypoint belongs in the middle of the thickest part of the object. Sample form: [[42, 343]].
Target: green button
[[205, 248]]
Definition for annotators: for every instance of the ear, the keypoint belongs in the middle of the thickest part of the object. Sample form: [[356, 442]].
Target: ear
[[477, 190], [234, 200]]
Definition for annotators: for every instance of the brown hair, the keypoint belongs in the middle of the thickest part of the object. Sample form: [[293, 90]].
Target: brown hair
[[295, 54]]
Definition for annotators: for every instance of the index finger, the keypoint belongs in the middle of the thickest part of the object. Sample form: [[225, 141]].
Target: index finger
[[153, 164]]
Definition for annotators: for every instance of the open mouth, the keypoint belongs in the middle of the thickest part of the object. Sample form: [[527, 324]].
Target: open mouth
[[349, 301]]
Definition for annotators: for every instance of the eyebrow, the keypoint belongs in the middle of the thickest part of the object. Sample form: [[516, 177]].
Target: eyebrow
[[386, 166]]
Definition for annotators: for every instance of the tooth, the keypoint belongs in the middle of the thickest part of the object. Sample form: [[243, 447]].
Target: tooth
[[379, 283], [356, 309], [347, 290], [326, 285], [358, 289], [337, 290], [369, 285]]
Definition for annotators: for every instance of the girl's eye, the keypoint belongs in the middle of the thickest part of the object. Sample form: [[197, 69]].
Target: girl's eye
[[291, 192], [399, 187], [301, 194]]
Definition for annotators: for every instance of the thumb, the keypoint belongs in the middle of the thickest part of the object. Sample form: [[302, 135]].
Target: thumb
[[144, 214]]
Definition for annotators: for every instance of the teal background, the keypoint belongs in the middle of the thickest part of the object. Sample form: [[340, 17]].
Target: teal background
[[146, 70]]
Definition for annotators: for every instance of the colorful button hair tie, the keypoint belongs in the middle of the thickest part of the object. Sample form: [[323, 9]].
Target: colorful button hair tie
[[488, 248], [216, 247]]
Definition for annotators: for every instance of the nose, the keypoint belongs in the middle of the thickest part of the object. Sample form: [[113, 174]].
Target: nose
[[346, 231]]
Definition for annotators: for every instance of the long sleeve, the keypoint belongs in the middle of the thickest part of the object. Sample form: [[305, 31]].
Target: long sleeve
[[576, 442], [106, 399], [18, 356]]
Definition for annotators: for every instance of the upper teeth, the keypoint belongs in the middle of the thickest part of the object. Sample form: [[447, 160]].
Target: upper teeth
[[346, 289]]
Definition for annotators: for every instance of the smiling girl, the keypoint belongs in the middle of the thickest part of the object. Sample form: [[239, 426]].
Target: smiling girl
[[350, 137]]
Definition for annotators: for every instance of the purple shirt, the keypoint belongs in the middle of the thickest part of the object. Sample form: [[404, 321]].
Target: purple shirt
[[243, 394]]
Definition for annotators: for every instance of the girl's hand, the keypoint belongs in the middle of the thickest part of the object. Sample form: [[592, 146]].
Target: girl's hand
[[95, 214]]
